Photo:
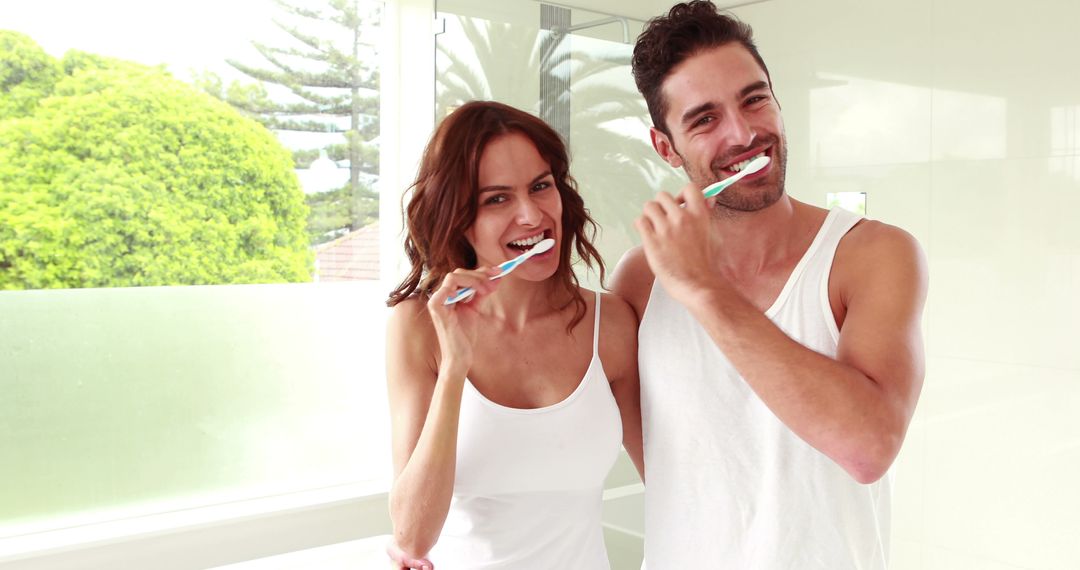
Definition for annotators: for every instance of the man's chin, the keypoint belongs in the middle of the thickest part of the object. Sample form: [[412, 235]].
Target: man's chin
[[749, 202]]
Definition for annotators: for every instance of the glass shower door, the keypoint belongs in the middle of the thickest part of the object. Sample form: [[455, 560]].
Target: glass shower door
[[571, 68]]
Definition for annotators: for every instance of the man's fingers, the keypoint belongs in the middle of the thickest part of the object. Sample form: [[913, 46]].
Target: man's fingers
[[647, 231], [642, 225], [656, 216], [693, 198], [670, 204]]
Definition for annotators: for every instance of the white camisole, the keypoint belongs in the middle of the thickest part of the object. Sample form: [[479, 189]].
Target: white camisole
[[529, 482]]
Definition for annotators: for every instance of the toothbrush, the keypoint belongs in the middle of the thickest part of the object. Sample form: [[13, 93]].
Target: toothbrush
[[504, 268], [718, 187]]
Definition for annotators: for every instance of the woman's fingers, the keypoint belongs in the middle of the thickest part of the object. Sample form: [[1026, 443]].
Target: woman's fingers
[[475, 279], [402, 561], [478, 279]]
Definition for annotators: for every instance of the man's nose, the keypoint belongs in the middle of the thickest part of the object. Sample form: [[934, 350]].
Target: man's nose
[[737, 131]]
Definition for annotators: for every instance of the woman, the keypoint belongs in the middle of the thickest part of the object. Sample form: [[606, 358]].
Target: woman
[[507, 409]]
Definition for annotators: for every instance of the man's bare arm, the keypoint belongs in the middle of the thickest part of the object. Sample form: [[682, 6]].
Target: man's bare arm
[[854, 408]]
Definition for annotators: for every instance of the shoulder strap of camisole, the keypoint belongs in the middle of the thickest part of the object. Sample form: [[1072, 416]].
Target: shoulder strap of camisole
[[596, 327]]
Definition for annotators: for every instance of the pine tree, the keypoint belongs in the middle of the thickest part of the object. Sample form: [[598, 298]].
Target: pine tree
[[324, 81]]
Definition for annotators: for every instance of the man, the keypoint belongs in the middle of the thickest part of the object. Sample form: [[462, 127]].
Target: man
[[780, 350]]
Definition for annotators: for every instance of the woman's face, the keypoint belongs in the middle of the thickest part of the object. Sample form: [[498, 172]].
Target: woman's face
[[519, 206]]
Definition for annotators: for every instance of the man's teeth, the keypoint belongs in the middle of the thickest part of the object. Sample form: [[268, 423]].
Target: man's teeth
[[741, 165], [528, 241]]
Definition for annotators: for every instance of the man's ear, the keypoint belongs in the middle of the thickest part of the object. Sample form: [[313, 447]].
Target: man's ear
[[664, 147]]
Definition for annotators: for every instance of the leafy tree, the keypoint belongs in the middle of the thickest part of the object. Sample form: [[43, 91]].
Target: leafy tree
[[331, 82], [122, 175], [27, 74]]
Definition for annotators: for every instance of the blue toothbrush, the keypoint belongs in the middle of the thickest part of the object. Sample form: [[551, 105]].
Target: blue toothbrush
[[504, 268]]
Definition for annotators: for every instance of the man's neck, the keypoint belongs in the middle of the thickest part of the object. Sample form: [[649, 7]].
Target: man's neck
[[756, 241]]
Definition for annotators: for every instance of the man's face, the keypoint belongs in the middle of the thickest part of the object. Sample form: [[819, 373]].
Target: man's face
[[722, 113]]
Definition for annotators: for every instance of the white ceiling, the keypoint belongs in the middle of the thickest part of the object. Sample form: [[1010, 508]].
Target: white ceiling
[[637, 9]]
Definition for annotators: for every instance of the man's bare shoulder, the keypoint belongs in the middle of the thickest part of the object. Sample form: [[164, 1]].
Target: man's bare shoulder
[[633, 280], [876, 249], [618, 341], [872, 239], [617, 312]]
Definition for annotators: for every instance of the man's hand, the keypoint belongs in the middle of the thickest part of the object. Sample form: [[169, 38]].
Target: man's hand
[[679, 243]]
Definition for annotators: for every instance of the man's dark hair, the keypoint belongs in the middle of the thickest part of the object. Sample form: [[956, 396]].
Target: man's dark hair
[[668, 40]]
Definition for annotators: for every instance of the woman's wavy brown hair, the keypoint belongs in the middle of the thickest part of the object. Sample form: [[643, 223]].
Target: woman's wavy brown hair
[[445, 198]]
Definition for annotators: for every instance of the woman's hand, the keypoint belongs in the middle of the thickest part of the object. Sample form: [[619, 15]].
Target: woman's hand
[[456, 325], [400, 561]]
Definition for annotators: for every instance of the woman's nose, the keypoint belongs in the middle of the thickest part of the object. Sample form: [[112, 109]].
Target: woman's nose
[[528, 212]]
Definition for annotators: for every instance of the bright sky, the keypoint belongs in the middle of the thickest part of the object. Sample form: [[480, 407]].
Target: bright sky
[[184, 35]]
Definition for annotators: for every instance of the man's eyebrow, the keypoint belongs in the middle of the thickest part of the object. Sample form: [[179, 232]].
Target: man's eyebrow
[[498, 188], [755, 86], [709, 106], [695, 111]]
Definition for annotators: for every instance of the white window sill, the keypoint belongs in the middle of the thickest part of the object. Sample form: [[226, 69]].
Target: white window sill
[[208, 536]]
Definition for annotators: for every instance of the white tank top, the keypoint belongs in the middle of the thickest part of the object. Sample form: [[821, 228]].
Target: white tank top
[[529, 482], [728, 485]]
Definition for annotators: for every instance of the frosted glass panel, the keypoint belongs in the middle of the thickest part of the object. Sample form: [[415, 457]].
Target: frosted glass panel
[[613, 160], [119, 402]]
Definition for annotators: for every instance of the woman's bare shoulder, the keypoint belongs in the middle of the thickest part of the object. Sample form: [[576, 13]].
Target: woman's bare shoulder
[[409, 328]]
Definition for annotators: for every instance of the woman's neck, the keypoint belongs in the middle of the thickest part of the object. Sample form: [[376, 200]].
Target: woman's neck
[[516, 302]]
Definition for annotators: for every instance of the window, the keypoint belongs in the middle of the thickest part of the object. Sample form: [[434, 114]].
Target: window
[[249, 155], [148, 150]]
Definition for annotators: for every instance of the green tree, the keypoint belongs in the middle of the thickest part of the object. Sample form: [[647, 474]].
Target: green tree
[[330, 83], [27, 74], [123, 175]]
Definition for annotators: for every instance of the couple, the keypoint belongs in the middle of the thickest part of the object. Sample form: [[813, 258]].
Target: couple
[[778, 344]]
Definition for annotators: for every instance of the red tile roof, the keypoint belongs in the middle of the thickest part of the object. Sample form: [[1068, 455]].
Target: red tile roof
[[351, 257]]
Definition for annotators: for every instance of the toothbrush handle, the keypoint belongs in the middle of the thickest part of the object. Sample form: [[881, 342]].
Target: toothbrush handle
[[466, 292], [459, 295], [504, 268], [720, 187]]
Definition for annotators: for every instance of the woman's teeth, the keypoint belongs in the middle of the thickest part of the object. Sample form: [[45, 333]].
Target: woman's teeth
[[528, 242], [741, 165]]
